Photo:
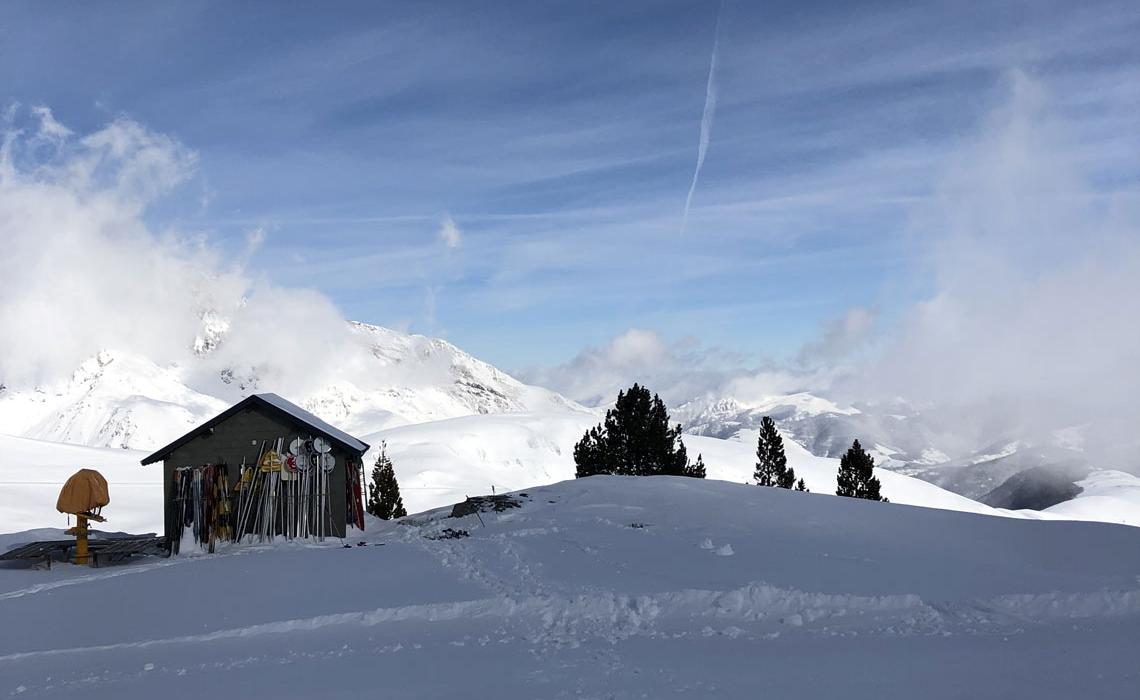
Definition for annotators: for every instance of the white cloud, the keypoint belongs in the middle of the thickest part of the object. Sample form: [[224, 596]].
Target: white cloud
[[1033, 321], [449, 233], [91, 275], [679, 371], [596, 374], [839, 338], [49, 128], [254, 238]]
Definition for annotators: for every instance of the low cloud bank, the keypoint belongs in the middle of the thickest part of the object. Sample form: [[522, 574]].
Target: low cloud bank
[[1033, 325], [86, 273]]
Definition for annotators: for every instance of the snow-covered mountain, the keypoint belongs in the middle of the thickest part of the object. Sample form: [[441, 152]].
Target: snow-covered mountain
[[121, 399], [970, 454]]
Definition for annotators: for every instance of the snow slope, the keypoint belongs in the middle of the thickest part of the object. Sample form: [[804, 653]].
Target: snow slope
[[606, 587], [1108, 496], [437, 463], [33, 471], [441, 462], [113, 399], [445, 461]]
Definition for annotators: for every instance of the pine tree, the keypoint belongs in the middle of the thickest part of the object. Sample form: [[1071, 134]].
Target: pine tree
[[635, 439], [771, 462], [384, 499], [801, 486], [697, 469], [856, 475], [787, 480]]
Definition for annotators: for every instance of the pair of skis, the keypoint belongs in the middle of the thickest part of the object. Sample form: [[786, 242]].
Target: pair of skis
[[286, 493], [354, 506], [201, 502]]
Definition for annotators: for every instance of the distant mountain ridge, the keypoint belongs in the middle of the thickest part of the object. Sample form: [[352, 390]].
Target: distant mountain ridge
[[120, 399], [964, 455]]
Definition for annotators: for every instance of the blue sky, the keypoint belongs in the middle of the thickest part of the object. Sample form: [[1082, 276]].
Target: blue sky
[[561, 138]]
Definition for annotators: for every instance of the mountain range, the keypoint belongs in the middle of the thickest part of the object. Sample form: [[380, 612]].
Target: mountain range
[[441, 410]]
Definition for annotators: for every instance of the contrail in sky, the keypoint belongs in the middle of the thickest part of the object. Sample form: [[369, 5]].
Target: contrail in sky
[[706, 120]]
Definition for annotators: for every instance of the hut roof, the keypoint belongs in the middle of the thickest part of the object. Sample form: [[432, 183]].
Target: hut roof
[[275, 404]]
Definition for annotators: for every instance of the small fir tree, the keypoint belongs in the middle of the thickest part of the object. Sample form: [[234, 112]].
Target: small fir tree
[[856, 475], [771, 463], [801, 486], [697, 469], [787, 479], [635, 440], [383, 491]]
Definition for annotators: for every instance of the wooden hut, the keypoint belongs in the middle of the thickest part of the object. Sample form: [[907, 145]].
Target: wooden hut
[[241, 435]]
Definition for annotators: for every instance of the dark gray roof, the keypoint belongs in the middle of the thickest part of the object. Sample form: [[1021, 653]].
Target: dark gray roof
[[313, 422], [277, 404]]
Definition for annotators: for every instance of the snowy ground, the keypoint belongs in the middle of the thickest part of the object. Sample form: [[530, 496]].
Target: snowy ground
[[606, 587]]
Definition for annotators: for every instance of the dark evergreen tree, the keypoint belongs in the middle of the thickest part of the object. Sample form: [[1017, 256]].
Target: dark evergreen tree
[[383, 492], [771, 463], [856, 475], [801, 486], [787, 480], [590, 455], [697, 469], [635, 440]]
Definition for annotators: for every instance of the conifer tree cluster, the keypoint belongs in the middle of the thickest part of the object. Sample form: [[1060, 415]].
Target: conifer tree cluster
[[635, 440], [771, 463], [856, 475], [384, 499]]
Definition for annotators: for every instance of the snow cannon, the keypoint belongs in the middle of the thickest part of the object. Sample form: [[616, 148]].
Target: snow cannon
[[83, 496]]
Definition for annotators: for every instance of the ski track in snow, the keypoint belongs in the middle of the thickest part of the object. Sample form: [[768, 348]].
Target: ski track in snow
[[572, 619], [87, 578]]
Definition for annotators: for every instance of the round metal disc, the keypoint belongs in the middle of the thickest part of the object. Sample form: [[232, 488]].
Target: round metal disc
[[328, 462], [321, 445], [297, 447]]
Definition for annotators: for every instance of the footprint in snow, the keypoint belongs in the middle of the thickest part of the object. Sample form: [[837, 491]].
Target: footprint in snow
[[725, 550]]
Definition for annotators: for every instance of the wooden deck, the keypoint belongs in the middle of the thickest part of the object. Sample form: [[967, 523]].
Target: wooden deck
[[102, 552]]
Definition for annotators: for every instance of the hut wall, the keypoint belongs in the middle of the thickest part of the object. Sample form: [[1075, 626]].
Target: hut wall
[[240, 436]]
